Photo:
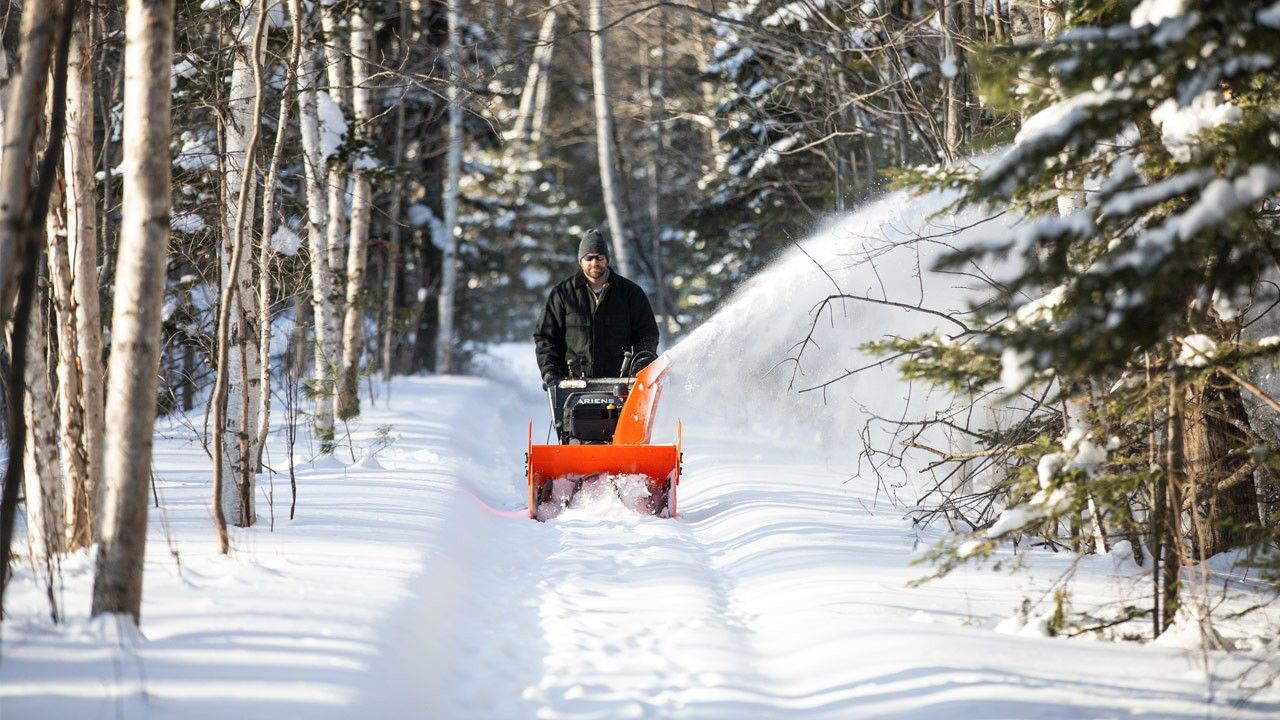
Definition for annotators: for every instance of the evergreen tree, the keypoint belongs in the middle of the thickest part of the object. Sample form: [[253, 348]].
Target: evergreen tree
[[1146, 170]]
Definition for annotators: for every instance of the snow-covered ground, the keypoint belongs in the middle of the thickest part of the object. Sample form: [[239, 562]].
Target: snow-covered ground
[[411, 584]]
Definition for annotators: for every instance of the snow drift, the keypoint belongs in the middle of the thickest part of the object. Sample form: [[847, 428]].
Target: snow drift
[[755, 365]]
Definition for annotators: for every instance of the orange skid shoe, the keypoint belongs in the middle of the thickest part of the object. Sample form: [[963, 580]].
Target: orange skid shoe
[[660, 464]]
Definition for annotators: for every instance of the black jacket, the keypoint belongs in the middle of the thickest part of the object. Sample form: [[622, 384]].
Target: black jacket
[[574, 329]]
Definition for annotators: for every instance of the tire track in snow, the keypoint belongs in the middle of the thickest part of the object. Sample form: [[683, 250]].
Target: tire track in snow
[[638, 625]]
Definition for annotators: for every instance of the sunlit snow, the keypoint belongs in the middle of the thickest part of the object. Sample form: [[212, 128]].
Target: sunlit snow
[[412, 584]]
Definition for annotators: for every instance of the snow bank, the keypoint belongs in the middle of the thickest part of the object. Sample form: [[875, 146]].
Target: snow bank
[[751, 366]]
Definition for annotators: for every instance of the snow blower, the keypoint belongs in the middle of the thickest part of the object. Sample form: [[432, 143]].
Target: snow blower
[[604, 426]]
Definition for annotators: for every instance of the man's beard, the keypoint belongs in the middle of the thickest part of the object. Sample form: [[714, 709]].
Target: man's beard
[[596, 273]]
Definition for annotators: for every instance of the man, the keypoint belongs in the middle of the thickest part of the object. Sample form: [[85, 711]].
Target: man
[[592, 319]]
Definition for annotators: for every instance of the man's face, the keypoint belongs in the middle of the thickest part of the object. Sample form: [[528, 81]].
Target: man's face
[[594, 266]]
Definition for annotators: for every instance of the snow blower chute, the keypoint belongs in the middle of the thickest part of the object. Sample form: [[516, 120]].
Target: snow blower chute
[[604, 426]]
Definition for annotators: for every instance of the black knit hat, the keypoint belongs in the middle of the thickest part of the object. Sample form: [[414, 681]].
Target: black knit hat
[[593, 241]]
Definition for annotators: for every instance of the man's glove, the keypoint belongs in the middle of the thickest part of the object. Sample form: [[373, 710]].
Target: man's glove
[[550, 380]]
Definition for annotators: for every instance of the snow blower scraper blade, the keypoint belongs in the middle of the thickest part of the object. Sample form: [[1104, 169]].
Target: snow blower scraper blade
[[643, 476]]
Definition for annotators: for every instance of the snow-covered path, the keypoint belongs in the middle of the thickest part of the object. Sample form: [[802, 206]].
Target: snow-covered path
[[413, 586], [779, 593]]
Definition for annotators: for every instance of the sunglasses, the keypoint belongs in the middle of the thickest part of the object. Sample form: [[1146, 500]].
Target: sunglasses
[[593, 257]]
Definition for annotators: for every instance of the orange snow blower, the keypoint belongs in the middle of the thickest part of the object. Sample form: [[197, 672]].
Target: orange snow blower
[[604, 426]]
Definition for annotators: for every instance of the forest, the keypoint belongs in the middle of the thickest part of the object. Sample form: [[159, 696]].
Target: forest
[[252, 215]]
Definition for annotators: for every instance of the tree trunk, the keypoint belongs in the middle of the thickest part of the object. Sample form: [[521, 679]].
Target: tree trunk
[[28, 181], [953, 88], [539, 66], [389, 325], [1215, 419], [1052, 18], [445, 336], [541, 108], [322, 281], [139, 299], [1000, 14], [24, 103], [237, 377], [336, 67], [266, 249], [1171, 506], [82, 252], [348, 387], [80, 497], [604, 136], [336, 56], [657, 94], [46, 528], [244, 369], [1076, 417]]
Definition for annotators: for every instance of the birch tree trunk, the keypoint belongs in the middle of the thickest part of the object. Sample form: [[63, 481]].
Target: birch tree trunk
[[335, 62], [322, 281], [539, 66], [82, 252], [1069, 185], [266, 248], [25, 189], [449, 261], [1052, 18], [139, 298], [953, 89], [348, 404], [657, 94], [541, 107], [244, 375], [604, 136], [81, 501], [46, 529], [227, 498]]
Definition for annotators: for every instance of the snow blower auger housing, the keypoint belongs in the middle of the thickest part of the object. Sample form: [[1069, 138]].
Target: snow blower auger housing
[[604, 426]]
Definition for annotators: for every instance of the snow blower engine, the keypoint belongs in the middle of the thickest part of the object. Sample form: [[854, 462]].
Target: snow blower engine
[[603, 426], [586, 410]]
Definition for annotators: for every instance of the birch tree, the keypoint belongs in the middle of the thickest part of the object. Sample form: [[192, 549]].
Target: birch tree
[[348, 401], [604, 135], [656, 87], [25, 188], [449, 263], [233, 399], [139, 298], [322, 280], [42, 474], [266, 249], [336, 58], [953, 88], [530, 110], [84, 358], [243, 372]]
